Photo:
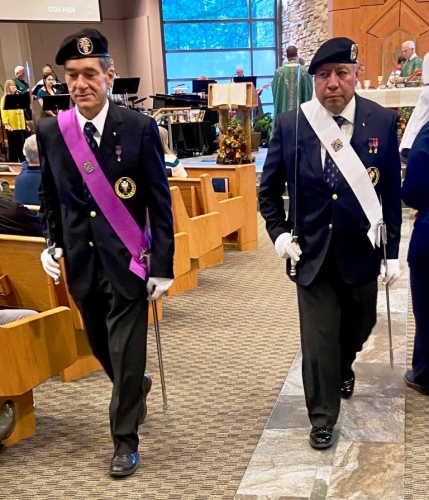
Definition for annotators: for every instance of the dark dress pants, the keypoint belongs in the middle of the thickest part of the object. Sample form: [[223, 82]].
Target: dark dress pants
[[419, 280], [117, 333], [336, 318], [15, 140]]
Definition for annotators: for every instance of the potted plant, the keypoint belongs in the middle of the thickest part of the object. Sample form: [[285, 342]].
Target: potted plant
[[262, 123]]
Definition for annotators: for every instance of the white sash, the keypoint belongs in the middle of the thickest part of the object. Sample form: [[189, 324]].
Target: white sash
[[348, 163]]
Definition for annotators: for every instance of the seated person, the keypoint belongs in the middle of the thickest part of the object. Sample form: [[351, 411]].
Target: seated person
[[172, 163], [28, 180], [5, 191], [47, 89], [18, 220]]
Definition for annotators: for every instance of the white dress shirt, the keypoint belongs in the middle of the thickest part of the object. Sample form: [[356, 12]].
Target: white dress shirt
[[98, 121], [348, 114]]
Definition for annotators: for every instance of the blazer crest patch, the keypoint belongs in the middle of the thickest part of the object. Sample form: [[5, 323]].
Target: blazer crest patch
[[125, 188], [336, 145], [374, 175]]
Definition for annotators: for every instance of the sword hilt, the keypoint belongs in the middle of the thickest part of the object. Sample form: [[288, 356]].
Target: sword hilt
[[51, 252], [293, 261]]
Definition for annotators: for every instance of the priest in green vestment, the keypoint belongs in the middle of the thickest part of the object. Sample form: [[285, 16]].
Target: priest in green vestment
[[284, 85], [412, 63]]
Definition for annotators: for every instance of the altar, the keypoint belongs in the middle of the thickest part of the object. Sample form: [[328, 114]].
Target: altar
[[393, 98]]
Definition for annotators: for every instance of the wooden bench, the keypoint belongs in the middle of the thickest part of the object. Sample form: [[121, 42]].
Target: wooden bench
[[200, 198], [185, 270], [33, 350], [16, 167], [9, 177], [24, 284], [204, 232], [242, 182]]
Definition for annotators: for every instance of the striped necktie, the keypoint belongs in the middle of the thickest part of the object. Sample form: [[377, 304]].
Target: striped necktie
[[330, 171], [89, 130]]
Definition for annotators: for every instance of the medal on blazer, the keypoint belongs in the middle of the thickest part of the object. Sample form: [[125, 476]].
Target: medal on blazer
[[118, 151], [370, 145], [375, 144], [88, 166], [125, 188], [374, 175]]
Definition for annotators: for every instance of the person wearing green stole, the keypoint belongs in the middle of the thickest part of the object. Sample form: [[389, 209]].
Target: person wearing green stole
[[285, 87], [412, 63]]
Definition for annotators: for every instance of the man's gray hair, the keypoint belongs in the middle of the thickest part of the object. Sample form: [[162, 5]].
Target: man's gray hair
[[18, 69], [30, 150], [410, 44], [106, 63]]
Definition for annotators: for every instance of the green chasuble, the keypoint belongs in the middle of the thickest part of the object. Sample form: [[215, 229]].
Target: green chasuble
[[284, 87], [410, 65]]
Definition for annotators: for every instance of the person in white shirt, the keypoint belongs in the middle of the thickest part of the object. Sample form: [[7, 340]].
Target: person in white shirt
[[172, 163]]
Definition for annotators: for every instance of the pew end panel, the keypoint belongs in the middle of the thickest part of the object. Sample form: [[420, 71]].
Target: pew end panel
[[204, 231], [185, 271], [33, 350]]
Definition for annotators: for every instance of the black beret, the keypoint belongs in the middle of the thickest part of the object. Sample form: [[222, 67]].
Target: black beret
[[335, 50], [86, 43]]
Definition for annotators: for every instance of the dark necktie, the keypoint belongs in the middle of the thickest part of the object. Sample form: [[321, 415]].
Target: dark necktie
[[89, 130], [331, 171]]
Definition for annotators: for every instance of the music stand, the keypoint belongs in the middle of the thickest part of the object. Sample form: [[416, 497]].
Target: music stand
[[245, 79], [201, 86], [126, 86], [56, 102], [62, 88]]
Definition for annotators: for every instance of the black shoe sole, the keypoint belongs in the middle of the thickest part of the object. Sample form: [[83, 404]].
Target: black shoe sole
[[321, 446], [416, 387], [124, 473], [346, 397]]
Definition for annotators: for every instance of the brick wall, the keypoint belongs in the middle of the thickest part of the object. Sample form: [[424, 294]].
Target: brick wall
[[304, 24]]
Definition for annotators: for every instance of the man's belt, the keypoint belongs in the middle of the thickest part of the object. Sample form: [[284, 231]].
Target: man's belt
[[111, 206]]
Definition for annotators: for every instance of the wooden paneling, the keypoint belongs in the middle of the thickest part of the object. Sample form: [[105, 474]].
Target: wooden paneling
[[380, 27]]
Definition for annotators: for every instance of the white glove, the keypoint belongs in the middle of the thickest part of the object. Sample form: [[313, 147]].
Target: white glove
[[50, 264], [393, 272], [157, 286], [286, 249]]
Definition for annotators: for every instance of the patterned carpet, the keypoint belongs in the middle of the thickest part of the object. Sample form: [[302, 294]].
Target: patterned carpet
[[227, 348]]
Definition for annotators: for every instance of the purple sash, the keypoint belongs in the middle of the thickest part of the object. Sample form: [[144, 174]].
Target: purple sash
[[112, 207]]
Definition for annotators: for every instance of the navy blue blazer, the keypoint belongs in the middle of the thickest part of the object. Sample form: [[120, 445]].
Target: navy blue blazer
[[68, 208], [415, 193], [320, 219]]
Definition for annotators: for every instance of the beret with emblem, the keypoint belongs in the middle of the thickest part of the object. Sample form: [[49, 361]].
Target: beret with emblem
[[86, 43], [335, 50]]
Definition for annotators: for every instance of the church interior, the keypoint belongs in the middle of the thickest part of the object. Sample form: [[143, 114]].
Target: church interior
[[226, 415]]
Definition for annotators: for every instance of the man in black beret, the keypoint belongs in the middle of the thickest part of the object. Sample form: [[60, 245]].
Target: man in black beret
[[102, 173], [339, 156]]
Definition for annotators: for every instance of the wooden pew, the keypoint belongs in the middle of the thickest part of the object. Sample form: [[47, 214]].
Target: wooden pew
[[185, 269], [33, 350], [16, 167], [9, 177], [204, 232], [242, 182], [200, 198], [24, 284]]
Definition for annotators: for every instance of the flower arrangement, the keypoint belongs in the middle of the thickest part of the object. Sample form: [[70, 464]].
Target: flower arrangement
[[404, 114], [232, 145]]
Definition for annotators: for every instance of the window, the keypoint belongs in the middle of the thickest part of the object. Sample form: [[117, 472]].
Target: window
[[213, 37]]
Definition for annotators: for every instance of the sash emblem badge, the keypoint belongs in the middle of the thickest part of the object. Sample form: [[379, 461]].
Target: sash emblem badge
[[125, 188]]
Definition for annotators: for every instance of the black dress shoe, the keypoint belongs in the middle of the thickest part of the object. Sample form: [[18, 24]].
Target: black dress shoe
[[409, 380], [147, 385], [124, 465], [7, 419], [347, 388], [321, 437]]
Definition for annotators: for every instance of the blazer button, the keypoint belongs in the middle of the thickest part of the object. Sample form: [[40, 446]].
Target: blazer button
[[335, 197], [330, 226], [91, 243], [93, 214]]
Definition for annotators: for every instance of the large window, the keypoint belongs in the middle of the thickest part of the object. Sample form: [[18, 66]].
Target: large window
[[213, 37]]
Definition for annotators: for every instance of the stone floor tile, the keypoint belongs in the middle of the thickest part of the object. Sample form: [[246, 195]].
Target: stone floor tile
[[367, 471], [377, 380], [373, 419]]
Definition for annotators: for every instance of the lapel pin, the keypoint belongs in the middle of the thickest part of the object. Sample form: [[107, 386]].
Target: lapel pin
[[114, 133], [118, 151], [363, 124]]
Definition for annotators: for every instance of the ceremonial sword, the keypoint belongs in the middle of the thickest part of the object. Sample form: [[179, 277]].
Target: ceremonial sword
[[389, 319], [158, 347], [293, 233]]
